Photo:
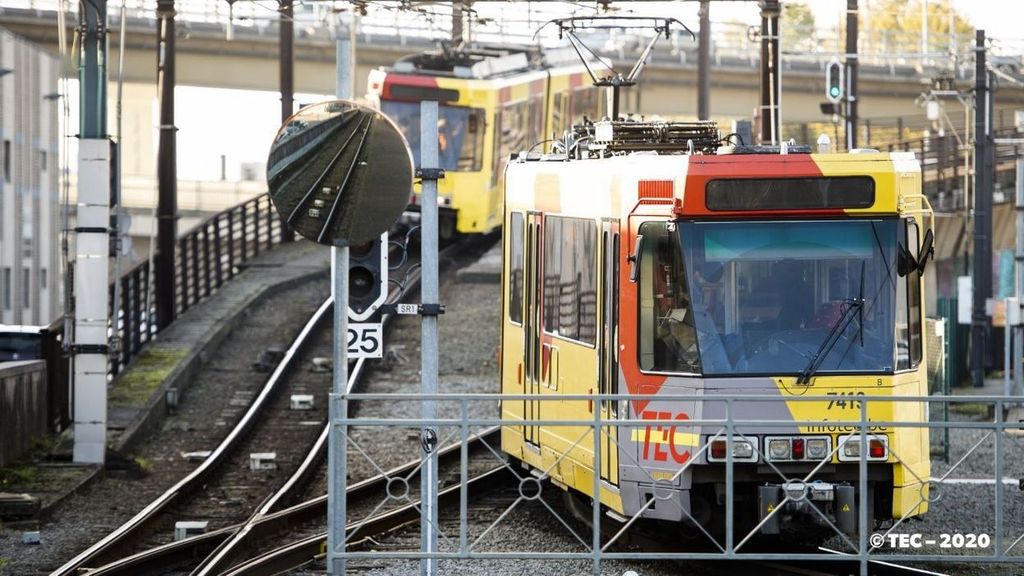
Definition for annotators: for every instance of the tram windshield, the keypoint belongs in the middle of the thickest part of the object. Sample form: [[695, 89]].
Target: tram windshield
[[761, 298], [460, 133]]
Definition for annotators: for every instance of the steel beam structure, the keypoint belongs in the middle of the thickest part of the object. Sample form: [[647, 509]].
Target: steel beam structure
[[851, 74], [166, 167], [982, 290], [286, 68], [770, 76], [704, 61]]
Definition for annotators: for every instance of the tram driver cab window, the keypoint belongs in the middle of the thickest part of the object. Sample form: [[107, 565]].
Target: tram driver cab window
[[668, 341]]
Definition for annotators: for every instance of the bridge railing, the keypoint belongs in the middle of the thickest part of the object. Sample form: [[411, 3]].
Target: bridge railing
[[944, 168], [206, 258]]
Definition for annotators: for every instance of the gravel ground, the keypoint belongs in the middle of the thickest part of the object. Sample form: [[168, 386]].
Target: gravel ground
[[212, 404]]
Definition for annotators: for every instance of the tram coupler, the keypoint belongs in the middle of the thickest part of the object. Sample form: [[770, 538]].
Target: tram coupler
[[802, 496]]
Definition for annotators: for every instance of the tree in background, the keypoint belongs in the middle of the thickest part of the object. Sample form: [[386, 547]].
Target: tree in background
[[798, 28], [895, 27]]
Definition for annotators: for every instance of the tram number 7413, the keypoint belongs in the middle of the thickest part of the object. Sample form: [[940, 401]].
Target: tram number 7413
[[365, 340], [845, 400]]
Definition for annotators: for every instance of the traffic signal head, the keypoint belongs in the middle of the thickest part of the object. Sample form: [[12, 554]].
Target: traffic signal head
[[834, 81], [367, 278]]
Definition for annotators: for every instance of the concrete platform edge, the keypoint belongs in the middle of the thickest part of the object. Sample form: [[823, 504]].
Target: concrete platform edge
[[152, 416]]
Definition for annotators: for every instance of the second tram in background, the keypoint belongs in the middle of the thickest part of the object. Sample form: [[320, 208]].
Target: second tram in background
[[493, 101], [646, 259]]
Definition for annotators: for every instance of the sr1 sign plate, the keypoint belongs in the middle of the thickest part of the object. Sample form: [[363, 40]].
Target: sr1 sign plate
[[365, 340]]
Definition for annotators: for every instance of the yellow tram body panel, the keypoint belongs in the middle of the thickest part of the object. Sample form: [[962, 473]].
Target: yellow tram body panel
[[607, 202], [506, 107]]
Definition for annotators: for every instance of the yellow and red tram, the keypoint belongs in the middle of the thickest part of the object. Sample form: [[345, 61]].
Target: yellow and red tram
[[494, 101], [692, 275]]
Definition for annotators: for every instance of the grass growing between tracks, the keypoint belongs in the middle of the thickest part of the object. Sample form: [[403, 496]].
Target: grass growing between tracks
[[145, 375]]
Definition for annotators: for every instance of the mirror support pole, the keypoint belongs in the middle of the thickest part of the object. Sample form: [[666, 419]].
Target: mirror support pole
[[337, 440]]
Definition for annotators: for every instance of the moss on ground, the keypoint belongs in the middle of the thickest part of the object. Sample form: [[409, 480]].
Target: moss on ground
[[135, 386], [20, 474]]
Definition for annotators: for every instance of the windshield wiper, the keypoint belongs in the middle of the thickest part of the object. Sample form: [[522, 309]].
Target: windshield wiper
[[853, 304]]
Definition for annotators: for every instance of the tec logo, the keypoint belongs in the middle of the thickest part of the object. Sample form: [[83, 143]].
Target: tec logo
[[657, 436]]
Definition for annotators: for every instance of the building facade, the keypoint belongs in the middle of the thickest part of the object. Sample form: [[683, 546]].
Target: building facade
[[30, 205]]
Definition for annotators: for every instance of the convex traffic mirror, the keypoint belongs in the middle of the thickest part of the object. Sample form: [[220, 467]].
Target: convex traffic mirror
[[339, 173]]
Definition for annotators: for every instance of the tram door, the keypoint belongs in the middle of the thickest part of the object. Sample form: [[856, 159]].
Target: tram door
[[532, 327], [609, 346]]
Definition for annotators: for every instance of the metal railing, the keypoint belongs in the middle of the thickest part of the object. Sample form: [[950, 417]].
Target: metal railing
[[206, 257], [987, 448], [893, 53]]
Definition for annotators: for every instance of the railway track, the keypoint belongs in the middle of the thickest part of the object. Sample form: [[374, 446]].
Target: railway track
[[120, 544], [266, 526]]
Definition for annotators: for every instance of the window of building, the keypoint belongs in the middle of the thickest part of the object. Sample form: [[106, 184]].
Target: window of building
[[570, 278], [515, 280], [26, 288], [6, 287], [7, 160], [668, 340], [42, 160], [42, 278]]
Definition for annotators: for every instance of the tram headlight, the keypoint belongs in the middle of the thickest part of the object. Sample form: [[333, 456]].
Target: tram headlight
[[779, 448], [817, 448]]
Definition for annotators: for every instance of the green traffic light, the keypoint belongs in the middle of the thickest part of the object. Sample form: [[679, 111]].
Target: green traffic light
[[834, 90]]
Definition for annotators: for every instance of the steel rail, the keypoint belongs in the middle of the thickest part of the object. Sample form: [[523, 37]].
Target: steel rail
[[116, 539], [301, 552], [318, 183], [348, 176], [224, 552], [157, 559], [106, 546]]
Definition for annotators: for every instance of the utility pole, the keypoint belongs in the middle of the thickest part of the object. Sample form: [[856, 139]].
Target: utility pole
[[851, 74], [982, 289], [92, 247], [770, 72], [286, 39], [704, 61], [457, 33], [166, 167]]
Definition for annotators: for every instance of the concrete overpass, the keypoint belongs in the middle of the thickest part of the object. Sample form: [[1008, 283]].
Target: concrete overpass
[[249, 61]]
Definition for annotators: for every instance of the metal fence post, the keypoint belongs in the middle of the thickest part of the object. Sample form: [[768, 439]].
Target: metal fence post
[[596, 509]]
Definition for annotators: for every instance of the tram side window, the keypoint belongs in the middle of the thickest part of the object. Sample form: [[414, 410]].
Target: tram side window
[[515, 283], [570, 278], [908, 306], [668, 341], [514, 127], [536, 120], [558, 114]]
